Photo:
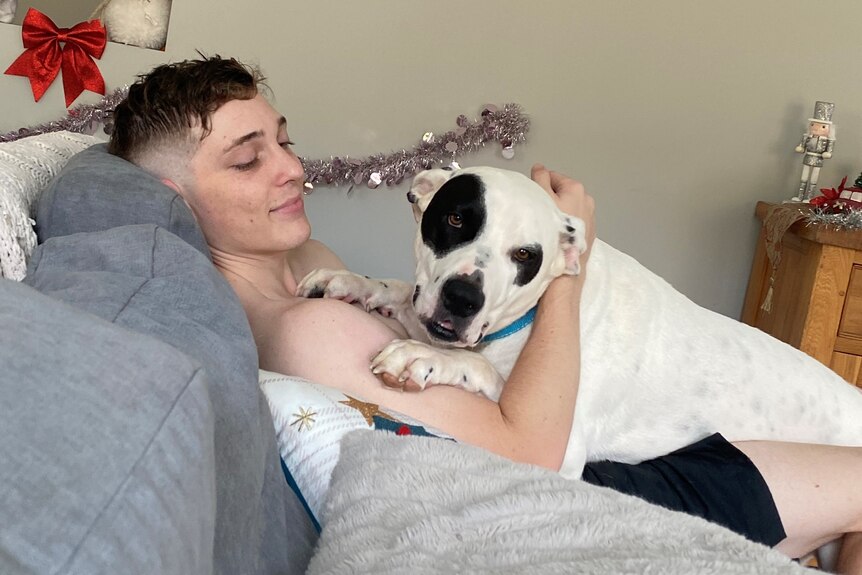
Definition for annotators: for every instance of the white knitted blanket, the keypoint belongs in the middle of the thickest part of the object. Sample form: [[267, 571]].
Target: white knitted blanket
[[26, 168], [421, 506]]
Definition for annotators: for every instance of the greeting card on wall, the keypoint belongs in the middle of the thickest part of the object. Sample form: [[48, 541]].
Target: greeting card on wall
[[142, 23]]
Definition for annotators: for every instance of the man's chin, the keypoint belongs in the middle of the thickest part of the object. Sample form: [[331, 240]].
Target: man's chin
[[299, 233]]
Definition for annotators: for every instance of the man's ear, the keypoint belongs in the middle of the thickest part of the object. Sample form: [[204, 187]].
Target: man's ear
[[172, 185], [425, 184], [573, 242], [181, 193]]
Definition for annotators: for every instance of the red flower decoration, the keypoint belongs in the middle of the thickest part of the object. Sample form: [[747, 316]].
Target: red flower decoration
[[831, 201], [404, 430], [829, 194]]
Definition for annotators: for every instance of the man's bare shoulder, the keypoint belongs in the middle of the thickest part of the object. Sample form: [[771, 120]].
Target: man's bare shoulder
[[304, 336]]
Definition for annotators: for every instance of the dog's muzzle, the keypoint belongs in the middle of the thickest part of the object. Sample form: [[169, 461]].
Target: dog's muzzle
[[461, 298]]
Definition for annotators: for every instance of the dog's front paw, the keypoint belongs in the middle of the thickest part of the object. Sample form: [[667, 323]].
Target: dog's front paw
[[408, 364], [334, 284], [338, 284], [386, 297], [412, 365]]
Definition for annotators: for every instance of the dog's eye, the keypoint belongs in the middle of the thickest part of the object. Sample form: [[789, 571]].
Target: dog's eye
[[522, 255], [455, 220]]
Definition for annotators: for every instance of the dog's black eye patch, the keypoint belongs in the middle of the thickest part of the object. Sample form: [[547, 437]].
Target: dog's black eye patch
[[528, 260], [462, 195]]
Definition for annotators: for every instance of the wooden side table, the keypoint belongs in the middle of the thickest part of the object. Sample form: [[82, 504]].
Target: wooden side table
[[817, 294]]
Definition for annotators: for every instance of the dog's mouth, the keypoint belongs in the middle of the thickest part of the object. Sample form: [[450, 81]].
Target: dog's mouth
[[442, 330]]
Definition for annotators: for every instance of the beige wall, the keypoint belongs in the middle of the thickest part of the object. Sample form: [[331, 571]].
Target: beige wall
[[678, 115]]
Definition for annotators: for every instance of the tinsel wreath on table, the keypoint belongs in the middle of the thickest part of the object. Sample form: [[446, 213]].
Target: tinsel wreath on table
[[838, 208], [507, 125], [848, 220]]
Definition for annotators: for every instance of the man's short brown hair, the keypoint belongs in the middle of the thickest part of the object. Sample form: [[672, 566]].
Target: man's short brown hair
[[168, 105]]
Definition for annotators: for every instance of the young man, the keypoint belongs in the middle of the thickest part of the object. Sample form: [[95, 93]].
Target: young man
[[205, 129]]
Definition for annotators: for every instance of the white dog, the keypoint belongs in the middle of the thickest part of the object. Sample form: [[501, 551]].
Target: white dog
[[658, 372]]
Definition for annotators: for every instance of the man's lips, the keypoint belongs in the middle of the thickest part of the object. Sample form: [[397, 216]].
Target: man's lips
[[288, 207]]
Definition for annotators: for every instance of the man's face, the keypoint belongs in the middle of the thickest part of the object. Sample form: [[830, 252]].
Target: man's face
[[246, 183], [818, 129]]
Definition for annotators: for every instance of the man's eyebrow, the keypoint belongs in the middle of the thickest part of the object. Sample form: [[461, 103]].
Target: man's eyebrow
[[282, 121], [243, 139]]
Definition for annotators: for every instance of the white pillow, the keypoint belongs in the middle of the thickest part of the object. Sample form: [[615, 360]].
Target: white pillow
[[26, 167], [310, 420]]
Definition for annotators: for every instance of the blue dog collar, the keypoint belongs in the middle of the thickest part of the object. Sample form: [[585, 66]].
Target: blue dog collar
[[513, 327]]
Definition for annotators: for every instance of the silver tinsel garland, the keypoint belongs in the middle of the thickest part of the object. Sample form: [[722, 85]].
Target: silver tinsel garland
[[508, 126], [849, 219]]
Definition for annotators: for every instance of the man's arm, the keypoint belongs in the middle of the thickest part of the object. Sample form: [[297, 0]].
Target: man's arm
[[539, 397]]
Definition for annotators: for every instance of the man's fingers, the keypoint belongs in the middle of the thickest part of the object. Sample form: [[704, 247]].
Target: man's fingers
[[542, 176], [569, 195], [558, 180]]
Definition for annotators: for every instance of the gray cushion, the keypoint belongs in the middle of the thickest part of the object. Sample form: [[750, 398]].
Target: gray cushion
[[106, 446], [96, 191], [146, 279]]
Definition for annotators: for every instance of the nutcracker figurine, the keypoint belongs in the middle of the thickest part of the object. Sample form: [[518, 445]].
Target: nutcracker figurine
[[817, 144]]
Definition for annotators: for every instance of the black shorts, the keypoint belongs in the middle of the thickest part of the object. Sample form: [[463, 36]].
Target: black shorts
[[711, 479]]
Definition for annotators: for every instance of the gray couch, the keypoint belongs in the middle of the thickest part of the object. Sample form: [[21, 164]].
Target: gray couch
[[133, 435]]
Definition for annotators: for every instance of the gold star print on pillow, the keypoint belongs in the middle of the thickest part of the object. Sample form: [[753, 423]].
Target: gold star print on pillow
[[310, 419], [368, 410]]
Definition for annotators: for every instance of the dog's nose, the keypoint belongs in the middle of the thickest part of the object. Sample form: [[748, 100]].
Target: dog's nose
[[462, 297]]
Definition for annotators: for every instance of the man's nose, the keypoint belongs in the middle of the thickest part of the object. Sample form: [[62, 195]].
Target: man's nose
[[290, 168]]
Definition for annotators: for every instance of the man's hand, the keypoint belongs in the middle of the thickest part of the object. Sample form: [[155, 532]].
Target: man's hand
[[571, 197]]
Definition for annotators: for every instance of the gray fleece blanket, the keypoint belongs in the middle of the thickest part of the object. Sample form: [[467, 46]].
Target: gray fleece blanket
[[422, 505]]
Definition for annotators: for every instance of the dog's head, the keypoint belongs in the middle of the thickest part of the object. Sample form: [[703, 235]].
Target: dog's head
[[489, 243]]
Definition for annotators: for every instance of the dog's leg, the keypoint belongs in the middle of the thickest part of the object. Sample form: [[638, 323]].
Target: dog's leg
[[372, 294], [390, 298], [409, 360]]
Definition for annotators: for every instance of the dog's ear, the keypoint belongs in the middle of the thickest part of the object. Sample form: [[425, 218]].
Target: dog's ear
[[425, 184], [572, 242]]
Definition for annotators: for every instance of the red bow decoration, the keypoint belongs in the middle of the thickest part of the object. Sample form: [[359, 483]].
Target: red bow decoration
[[44, 58]]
